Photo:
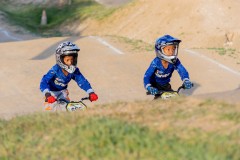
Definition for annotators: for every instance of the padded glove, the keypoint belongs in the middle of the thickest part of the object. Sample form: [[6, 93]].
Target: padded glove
[[152, 90], [93, 96], [187, 84], [49, 98]]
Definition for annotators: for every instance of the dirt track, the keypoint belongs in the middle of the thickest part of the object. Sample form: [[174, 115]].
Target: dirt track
[[10, 33], [114, 76], [115, 72], [112, 2]]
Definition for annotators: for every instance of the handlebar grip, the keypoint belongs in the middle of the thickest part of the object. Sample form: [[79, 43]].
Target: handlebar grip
[[159, 92], [183, 87], [148, 93], [85, 98]]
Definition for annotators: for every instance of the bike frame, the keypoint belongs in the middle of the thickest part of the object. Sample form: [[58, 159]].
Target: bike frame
[[74, 105], [168, 94], [64, 105]]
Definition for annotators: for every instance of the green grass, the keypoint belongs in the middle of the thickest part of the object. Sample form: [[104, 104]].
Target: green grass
[[125, 131], [29, 16], [136, 44], [233, 116], [223, 51]]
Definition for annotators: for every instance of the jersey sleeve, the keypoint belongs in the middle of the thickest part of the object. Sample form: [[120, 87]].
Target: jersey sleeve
[[82, 81], [181, 70], [44, 84], [149, 73]]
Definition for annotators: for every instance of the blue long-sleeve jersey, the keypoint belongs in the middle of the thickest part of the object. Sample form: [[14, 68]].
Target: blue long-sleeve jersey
[[156, 73], [55, 80]]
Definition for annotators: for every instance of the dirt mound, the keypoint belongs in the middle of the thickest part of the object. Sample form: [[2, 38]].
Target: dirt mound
[[231, 96], [118, 77], [198, 23], [39, 2], [112, 3], [211, 27], [9, 32]]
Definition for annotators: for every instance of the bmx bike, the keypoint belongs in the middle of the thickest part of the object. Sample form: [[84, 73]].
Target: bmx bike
[[163, 94], [64, 105]]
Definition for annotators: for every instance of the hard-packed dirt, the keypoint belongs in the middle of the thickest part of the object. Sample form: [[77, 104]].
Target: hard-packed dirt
[[116, 71]]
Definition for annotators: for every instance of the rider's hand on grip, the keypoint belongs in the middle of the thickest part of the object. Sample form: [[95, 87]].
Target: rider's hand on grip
[[93, 96], [152, 90], [49, 98], [187, 84]]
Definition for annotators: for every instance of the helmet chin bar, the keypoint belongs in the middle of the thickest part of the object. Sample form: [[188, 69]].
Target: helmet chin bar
[[170, 59], [70, 69]]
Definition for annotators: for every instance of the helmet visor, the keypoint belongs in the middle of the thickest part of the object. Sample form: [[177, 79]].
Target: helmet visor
[[170, 50], [70, 59]]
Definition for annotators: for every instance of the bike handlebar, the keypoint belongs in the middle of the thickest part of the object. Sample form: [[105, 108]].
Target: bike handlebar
[[85, 98], [161, 91], [64, 100]]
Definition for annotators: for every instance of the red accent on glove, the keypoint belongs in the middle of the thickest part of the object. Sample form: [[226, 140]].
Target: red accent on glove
[[93, 97], [51, 99]]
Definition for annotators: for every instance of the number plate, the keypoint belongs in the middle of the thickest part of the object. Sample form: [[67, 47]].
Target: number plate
[[167, 95], [73, 106]]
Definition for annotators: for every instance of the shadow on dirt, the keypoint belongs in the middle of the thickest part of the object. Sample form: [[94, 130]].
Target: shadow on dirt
[[231, 96], [189, 92], [51, 50]]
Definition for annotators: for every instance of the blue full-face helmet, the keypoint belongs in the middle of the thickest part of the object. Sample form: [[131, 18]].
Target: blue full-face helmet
[[163, 42]]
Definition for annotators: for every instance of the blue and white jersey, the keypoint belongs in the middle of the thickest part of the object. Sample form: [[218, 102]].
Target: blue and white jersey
[[156, 73], [55, 80]]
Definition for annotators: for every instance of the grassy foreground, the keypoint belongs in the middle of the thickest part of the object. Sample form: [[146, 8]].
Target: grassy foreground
[[179, 129], [29, 16]]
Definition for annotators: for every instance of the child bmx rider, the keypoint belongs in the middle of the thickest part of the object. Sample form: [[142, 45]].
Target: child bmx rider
[[54, 84], [159, 73]]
